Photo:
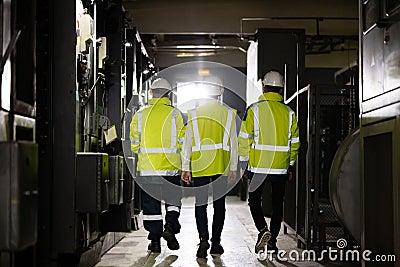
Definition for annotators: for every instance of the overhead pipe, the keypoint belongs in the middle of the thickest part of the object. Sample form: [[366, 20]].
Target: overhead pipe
[[317, 20], [194, 47]]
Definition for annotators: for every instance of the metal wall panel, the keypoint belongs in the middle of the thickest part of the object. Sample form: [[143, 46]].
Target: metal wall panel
[[18, 195], [277, 47], [392, 58], [379, 188], [56, 81], [116, 187], [371, 17], [92, 182], [117, 219], [378, 162], [373, 61], [380, 134], [380, 73], [115, 63], [129, 186]]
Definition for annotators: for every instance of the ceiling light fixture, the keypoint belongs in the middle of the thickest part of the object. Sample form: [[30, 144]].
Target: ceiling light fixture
[[205, 54], [205, 72]]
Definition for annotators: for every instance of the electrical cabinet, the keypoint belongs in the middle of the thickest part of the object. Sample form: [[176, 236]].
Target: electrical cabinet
[[282, 50], [379, 171], [118, 216], [116, 188], [117, 219], [129, 185], [18, 195], [92, 182], [380, 128]]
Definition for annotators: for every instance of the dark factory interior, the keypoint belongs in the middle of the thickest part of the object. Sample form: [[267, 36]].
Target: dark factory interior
[[75, 73]]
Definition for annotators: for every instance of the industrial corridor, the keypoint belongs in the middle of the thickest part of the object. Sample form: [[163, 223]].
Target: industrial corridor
[[238, 239], [121, 120]]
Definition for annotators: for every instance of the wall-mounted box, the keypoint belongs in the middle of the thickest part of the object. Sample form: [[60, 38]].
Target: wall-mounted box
[[92, 182], [116, 189], [18, 195], [117, 219], [129, 176]]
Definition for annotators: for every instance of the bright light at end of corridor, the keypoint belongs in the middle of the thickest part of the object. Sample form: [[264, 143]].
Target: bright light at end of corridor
[[188, 93]]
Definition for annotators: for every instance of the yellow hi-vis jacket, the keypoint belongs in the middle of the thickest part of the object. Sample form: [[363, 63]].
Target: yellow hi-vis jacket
[[212, 127], [269, 136], [156, 134]]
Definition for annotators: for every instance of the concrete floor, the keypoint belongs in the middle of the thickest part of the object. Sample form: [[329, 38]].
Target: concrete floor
[[238, 239]]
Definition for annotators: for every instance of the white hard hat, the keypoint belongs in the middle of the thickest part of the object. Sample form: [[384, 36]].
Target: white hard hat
[[161, 83], [273, 78], [214, 86]]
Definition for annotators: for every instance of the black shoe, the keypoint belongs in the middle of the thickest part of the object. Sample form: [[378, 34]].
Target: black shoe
[[271, 246], [169, 236], [216, 249], [155, 246], [202, 250], [262, 239]]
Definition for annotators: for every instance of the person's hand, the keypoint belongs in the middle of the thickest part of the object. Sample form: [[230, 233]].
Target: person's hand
[[186, 177], [231, 177], [290, 173], [245, 174], [243, 168]]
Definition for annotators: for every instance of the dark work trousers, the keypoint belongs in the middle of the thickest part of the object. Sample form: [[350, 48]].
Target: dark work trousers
[[201, 184], [278, 183], [169, 189]]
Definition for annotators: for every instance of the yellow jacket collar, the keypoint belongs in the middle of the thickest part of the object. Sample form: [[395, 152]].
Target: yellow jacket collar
[[271, 96], [159, 101]]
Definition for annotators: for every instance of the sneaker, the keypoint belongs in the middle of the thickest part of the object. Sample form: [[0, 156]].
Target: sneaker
[[271, 246], [216, 249], [155, 246], [169, 236], [262, 239], [202, 250]]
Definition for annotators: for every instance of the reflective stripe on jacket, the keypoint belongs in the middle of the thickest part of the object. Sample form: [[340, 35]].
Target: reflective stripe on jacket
[[211, 125], [269, 136], [156, 134]]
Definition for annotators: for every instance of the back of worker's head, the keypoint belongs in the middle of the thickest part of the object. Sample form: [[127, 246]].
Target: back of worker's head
[[273, 82], [160, 87]]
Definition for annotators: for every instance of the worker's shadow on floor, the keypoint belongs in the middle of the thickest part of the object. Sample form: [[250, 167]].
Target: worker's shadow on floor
[[216, 260], [275, 262], [167, 261], [150, 260]]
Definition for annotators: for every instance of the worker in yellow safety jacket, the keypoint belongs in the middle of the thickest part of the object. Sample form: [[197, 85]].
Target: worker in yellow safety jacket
[[269, 141], [156, 134], [209, 155]]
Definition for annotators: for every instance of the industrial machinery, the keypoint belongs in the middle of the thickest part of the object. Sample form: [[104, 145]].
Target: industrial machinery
[[327, 113], [19, 180], [344, 185], [327, 121], [380, 127], [68, 70], [19, 177]]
